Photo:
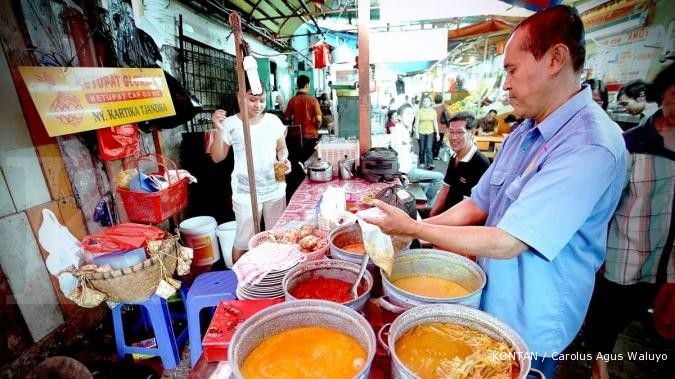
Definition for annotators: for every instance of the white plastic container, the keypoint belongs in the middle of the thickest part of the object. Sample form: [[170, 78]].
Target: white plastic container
[[226, 233], [199, 233], [121, 260]]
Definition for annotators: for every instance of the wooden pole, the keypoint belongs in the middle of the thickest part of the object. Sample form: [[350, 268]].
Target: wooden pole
[[364, 77], [235, 24]]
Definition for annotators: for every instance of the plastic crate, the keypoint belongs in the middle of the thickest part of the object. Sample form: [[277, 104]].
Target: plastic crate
[[334, 151]]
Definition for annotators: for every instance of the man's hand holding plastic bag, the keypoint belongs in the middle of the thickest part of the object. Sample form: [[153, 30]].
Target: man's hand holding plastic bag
[[391, 220], [377, 244]]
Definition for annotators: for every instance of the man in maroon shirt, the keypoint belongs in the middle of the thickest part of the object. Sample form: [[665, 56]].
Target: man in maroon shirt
[[306, 112]]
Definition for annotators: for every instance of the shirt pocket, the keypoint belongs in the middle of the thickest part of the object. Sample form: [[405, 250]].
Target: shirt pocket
[[496, 183], [514, 188]]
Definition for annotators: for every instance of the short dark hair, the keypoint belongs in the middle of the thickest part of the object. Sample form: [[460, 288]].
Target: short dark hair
[[438, 98], [633, 89], [391, 113], [402, 108], [492, 111], [599, 85], [467, 116], [302, 81], [553, 25], [660, 84]]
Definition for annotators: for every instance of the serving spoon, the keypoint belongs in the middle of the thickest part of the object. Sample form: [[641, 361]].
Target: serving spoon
[[364, 265]]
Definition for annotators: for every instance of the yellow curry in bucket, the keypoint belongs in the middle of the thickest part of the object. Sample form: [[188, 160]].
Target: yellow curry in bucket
[[430, 286], [445, 350], [306, 352]]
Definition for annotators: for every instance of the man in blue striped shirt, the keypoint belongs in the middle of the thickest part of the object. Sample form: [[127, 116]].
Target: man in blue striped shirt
[[547, 198]]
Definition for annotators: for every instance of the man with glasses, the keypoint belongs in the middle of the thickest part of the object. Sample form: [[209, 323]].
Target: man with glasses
[[466, 166]]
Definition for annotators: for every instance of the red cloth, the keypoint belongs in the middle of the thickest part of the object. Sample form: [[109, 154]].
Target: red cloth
[[321, 55], [389, 126]]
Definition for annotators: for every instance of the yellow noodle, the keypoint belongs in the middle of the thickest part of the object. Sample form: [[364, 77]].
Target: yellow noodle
[[450, 351]]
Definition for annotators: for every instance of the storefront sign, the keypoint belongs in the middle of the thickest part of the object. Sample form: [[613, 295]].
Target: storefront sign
[[75, 99], [627, 56]]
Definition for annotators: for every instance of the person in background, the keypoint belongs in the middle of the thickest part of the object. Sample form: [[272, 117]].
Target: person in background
[[326, 112], [488, 125], [268, 143], [442, 120], [407, 160], [513, 121], [546, 200], [633, 99], [466, 166], [640, 241], [426, 132], [390, 107], [392, 119], [306, 112], [599, 91]]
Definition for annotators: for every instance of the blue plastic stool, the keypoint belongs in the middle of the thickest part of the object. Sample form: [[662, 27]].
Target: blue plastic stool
[[157, 310], [207, 290]]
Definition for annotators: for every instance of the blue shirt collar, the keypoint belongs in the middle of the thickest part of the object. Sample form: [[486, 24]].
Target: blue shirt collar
[[556, 120]]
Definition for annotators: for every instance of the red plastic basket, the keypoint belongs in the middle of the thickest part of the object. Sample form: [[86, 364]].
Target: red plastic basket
[[155, 207]]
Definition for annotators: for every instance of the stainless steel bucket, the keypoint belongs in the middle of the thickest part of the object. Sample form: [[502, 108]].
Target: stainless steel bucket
[[351, 234], [434, 263], [295, 314], [460, 315], [334, 269]]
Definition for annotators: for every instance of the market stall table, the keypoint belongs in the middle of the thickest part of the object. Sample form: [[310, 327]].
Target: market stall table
[[303, 205], [488, 145]]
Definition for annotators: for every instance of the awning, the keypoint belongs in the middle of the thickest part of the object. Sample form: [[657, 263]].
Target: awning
[[473, 30]]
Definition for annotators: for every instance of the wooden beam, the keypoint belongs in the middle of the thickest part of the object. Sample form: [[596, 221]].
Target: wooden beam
[[364, 75], [304, 6], [235, 24]]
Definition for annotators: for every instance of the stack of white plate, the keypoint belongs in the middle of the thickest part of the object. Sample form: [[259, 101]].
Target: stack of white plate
[[270, 287]]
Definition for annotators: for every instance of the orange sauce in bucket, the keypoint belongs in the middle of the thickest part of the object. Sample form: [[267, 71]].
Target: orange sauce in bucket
[[306, 352], [430, 286]]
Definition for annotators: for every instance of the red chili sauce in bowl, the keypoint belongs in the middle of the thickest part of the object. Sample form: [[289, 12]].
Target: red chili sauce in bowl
[[324, 289]]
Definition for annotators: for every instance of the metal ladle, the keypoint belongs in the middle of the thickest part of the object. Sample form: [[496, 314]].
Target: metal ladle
[[364, 265]]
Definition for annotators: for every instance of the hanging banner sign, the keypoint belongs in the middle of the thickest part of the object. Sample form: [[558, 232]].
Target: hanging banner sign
[[75, 99]]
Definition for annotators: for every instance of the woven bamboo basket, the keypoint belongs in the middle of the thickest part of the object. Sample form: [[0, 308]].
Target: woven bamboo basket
[[138, 282]]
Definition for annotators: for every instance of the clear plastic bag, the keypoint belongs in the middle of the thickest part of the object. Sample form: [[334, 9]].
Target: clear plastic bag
[[378, 245]]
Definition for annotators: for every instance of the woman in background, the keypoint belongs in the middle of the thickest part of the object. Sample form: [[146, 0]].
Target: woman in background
[[425, 129]]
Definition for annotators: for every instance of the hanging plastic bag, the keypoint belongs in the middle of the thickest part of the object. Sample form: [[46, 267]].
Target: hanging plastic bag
[[118, 142], [378, 245], [63, 248]]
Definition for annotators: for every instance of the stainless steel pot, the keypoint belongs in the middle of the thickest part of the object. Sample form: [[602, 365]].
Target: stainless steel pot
[[333, 269], [295, 314], [347, 167], [319, 171], [456, 314], [434, 263]]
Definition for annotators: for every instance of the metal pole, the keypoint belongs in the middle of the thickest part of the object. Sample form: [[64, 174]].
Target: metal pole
[[364, 76], [235, 24]]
